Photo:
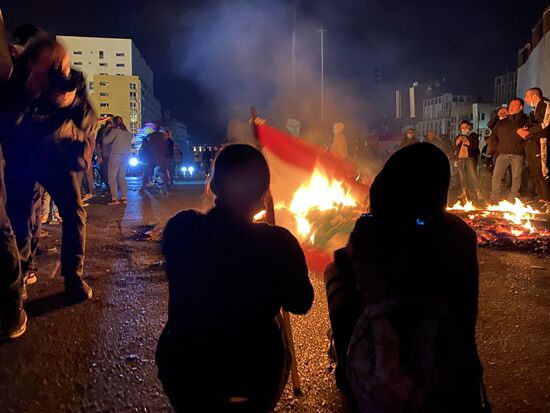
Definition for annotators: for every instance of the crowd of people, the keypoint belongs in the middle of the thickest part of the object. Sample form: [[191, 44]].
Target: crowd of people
[[403, 330], [516, 151]]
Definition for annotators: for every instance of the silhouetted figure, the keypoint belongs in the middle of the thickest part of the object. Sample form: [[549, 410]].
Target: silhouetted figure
[[157, 151], [223, 349], [413, 348]]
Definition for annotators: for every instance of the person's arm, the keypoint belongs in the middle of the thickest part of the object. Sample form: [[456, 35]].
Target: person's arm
[[110, 137], [6, 65], [297, 288], [539, 127]]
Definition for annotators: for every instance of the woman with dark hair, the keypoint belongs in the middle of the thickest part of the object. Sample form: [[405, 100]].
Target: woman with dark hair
[[118, 144], [413, 348], [223, 349]]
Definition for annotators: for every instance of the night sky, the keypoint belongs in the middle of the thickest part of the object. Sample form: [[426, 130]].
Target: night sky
[[467, 42]]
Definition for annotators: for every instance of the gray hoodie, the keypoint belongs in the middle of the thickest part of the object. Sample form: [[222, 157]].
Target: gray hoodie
[[117, 142]]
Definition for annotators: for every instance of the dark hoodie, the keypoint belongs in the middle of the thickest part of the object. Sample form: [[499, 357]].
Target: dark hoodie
[[409, 246]]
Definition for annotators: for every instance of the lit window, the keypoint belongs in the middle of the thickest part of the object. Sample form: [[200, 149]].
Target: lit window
[[101, 54]]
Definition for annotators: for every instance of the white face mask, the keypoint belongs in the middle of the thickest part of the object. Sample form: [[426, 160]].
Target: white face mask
[[464, 131]]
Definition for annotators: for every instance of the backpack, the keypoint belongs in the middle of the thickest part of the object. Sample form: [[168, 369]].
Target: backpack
[[406, 355]]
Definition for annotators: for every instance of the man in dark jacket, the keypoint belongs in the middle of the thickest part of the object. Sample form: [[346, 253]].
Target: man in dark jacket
[[48, 140], [467, 152], [536, 134], [159, 153], [508, 145]]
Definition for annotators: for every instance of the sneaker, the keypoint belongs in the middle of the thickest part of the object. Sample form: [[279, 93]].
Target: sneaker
[[86, 197], [30, 278], [13, 327], [113, 202], [77, 290]]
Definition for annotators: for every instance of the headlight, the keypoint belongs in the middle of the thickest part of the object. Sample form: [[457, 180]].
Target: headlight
[[183, 169], [191, 169], [133, 162]]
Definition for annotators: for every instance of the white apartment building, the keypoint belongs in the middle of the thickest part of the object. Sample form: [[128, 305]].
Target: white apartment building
[[437, 113], [127, 82]]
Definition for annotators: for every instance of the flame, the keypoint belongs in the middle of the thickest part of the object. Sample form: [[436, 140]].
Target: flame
[[320, 193], [517, 214]]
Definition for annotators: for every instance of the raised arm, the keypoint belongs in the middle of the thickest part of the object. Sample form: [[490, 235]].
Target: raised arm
[[6, 66]]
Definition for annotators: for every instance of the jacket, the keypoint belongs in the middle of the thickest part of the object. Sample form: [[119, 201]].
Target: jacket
[[539, 120], [504, 139], [473, 148], [117, 142]]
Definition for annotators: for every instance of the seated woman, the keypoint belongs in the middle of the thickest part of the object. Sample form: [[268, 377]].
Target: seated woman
[[223, 349], [413, 347]]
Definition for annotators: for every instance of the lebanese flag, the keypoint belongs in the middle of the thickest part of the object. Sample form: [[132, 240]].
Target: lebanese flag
[[292, 161]]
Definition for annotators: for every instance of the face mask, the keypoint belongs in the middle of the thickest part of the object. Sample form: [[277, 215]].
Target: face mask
[[409, 135], [464, 131]]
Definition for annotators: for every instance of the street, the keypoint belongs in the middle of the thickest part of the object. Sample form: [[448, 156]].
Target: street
[[99, 356]]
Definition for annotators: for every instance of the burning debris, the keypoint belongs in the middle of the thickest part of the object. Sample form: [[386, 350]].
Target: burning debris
[[508, 226]]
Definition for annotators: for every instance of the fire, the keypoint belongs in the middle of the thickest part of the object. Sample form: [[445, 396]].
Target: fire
[[320, 193], [517, 214]]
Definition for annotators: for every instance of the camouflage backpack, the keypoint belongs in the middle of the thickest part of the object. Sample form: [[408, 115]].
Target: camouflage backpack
[[406, 355]]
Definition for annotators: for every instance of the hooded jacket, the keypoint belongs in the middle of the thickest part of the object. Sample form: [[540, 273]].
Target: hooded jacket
[[539, 120]]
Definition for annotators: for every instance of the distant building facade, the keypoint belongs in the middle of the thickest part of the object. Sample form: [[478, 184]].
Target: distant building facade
[[436, 113], [118, 78], [534, 58], [505, 88]]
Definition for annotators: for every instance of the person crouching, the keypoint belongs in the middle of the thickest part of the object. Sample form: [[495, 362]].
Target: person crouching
[[223, 348]]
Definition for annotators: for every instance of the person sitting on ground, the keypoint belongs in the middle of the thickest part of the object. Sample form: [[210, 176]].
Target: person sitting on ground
[[119, 143], [223, 347], [413, 348]]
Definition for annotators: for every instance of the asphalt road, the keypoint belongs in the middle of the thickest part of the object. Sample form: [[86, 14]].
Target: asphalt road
[[99, 356]]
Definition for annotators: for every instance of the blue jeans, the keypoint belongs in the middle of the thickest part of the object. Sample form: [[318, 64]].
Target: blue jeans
[[503, 162]]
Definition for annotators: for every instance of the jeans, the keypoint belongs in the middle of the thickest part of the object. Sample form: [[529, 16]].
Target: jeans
[[42, 162], [11, 282], [468, 173], [117, 175], [503, 162]]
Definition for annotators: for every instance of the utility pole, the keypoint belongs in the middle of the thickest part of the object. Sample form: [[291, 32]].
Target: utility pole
[[322, 31], [294, 64]]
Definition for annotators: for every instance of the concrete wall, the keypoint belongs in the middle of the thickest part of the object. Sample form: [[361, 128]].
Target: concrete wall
[[536, 70]]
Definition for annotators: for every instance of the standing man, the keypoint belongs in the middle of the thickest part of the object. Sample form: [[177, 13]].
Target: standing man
[[508, 145], [13, 318], [47, 142], [536, 134], [467, 152]]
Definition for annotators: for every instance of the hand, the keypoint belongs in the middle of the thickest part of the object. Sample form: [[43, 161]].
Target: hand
[[523, 133], [259, 121], [63, 100]]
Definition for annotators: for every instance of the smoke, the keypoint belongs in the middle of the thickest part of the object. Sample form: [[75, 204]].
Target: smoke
[[240, 52]]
